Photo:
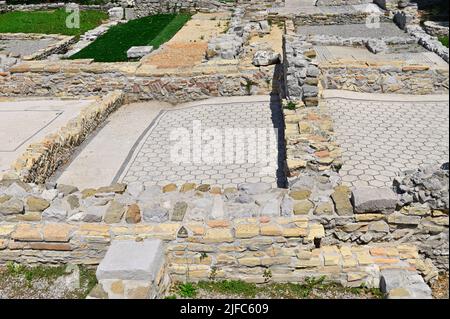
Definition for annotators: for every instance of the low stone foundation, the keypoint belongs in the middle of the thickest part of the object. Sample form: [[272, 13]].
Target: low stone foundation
[[392, 78], [85, 78], [254, 221]]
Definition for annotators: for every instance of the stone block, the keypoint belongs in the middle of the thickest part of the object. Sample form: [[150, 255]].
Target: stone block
[[139, 51], [116, 14], [131, 260], [413, 282], [373, 199], [341, 199]]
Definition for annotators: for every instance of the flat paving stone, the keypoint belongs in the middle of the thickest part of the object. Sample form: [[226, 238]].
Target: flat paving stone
[[354, 30], [24, 47], [157, 161], [376, 131], [25, 121], [132, 260]]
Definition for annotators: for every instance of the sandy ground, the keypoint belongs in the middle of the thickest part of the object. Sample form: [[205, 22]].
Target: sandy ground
[[187, 48]]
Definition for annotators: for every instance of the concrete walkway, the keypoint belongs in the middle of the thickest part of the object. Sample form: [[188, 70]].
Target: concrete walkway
[[26, 121], [100, 157]]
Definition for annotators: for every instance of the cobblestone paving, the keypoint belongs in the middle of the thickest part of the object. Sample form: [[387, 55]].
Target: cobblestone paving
[[380, 139], [152, 162]]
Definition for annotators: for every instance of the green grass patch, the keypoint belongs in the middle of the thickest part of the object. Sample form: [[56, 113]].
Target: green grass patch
[[114, 44], [49, 22], [310, 288], [32, 273], [444, 41], [22, 278]]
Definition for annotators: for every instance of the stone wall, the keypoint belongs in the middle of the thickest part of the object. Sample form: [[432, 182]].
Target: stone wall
[[149, 7], [341, 2], [332, 19], [61, 46], [300, 72], [51, 6], [392, 78], [84, 78], [252, 224]]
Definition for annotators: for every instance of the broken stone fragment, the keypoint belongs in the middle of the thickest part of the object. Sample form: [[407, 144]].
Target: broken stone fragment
[[254, 188], [179, 210], [303, 207], [373, 199], [133, 214], [265, 58], [155, 213], [300, 194], [36, 204], [66, 189], [11, 207], [114, 213], [139, 52], [341, 198], [324, 208], [118, 188]]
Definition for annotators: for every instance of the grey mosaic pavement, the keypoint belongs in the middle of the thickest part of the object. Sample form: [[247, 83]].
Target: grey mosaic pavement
[[152, 162], [382, 138], [354, 30]]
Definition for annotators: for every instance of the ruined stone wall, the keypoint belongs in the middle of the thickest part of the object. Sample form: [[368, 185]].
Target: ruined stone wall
[[252, 225], [82, 78], [341, 2], [406, 79], [333, 19], [149, 7]]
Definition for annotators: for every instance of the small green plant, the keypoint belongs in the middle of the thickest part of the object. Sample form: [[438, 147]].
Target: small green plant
[[291, 105], [203, 256], [248, 86], [444, 40], [213, 274], [267, 275], [171, 297], [187, 290]]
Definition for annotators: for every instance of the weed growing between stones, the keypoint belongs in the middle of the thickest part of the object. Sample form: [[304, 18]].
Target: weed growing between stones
[[290, 105], [311, 288], [187, 290], [46, 282]]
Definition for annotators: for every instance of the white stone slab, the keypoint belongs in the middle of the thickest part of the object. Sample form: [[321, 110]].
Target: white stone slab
[[26, 121], [131, 260]]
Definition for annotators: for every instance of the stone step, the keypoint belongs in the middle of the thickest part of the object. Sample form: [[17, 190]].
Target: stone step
[[132, 270], [403, 284]]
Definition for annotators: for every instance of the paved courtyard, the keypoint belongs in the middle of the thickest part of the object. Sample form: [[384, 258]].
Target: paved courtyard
[[238, 160], [380, 138], [25, 121]]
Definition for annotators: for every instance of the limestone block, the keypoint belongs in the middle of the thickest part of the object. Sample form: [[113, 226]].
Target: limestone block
[[139, 51], [372, 199], [131, 260]]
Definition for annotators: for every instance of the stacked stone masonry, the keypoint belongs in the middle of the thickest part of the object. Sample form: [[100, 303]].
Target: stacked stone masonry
[[87, 78], [46, 225]]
